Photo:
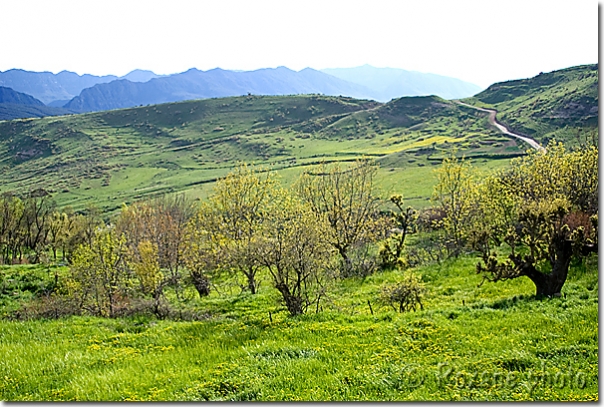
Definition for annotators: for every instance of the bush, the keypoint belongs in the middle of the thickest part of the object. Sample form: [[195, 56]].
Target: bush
[[48, 306], [405, 295]]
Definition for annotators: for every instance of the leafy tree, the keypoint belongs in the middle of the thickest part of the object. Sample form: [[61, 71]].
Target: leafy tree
[[453, 195], [145, 265], [57, 232], [403, 221], [146, 268], [100, 277], [235, 214], [161, 223], [201, 250], [545, 210], [346, 197], [294, 251]]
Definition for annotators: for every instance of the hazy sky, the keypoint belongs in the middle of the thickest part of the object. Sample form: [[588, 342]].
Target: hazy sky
[[477, 41]]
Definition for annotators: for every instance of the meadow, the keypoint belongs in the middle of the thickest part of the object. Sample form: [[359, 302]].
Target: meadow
[[108, 158], [493, 341]]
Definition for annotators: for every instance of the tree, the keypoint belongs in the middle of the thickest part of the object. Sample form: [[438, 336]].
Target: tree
[[144, 262], [99, 273], [201, 250], [545, 210], [294, 251], [346, 197], [38, 207], [453, 195], [11, 214], [57, 232], [234, 216], [403, 221], [161, 223]]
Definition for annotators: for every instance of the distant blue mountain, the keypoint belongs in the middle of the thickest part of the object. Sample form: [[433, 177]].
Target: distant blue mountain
[[8, 95], [17, 105], [391, 83], [139, 75], [57, 89], [196, 84], [47, 86], [87, 93]]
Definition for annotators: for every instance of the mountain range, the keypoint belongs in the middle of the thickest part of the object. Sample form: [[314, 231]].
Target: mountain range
[[391, 83], [87, 93]]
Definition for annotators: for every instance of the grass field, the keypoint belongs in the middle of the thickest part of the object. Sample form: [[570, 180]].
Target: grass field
[[124, 155], [471, 342]]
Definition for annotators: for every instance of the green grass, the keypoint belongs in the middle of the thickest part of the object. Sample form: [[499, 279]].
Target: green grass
[[480, 334], [108, 158], [552, 105]]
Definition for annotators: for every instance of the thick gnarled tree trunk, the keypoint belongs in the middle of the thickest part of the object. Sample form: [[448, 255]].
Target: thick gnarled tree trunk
[[550, 284], [201, 283]]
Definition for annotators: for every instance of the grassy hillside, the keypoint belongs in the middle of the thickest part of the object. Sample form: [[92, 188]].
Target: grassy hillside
[[471, 342], [123, 155], [549, 105]]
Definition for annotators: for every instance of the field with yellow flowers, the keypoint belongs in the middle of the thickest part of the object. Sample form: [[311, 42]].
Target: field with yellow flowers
[[495, 341]]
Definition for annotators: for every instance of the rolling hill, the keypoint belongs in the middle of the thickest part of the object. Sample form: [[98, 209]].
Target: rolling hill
[[123, 155], [550, 105]]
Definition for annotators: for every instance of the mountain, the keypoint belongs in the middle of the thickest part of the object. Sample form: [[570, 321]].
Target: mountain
[[57, 89], [86, 93], [49, 87], [139, 75], [121, 155], [550, 105], [390, 83], [8, 95], [16, 105], [196, 84]]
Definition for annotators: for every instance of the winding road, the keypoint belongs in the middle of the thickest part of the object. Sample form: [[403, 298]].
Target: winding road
[[502, 128]]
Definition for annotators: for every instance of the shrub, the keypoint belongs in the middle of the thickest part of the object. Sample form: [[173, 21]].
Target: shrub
[[405, 295]]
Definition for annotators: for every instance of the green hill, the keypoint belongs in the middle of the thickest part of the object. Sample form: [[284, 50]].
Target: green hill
[[123, 155], [549, 105]]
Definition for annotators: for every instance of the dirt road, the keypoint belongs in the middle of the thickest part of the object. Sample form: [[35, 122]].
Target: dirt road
[[502, 128]]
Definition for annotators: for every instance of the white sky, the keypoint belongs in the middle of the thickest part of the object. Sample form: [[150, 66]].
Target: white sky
[[478, 41]]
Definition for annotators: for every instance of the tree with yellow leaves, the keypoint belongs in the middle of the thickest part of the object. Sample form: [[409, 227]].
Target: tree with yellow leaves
[[100, 277], [234, 216], [346, 197], [545, 210], [294, 251]]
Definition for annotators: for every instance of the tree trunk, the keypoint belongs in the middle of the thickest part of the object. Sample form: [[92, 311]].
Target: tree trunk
[[201, 283], [551, 284], [293, 303], [251, 281], [251, 284]]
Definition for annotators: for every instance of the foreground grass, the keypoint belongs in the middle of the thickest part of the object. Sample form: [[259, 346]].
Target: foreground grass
[[493, 342]]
